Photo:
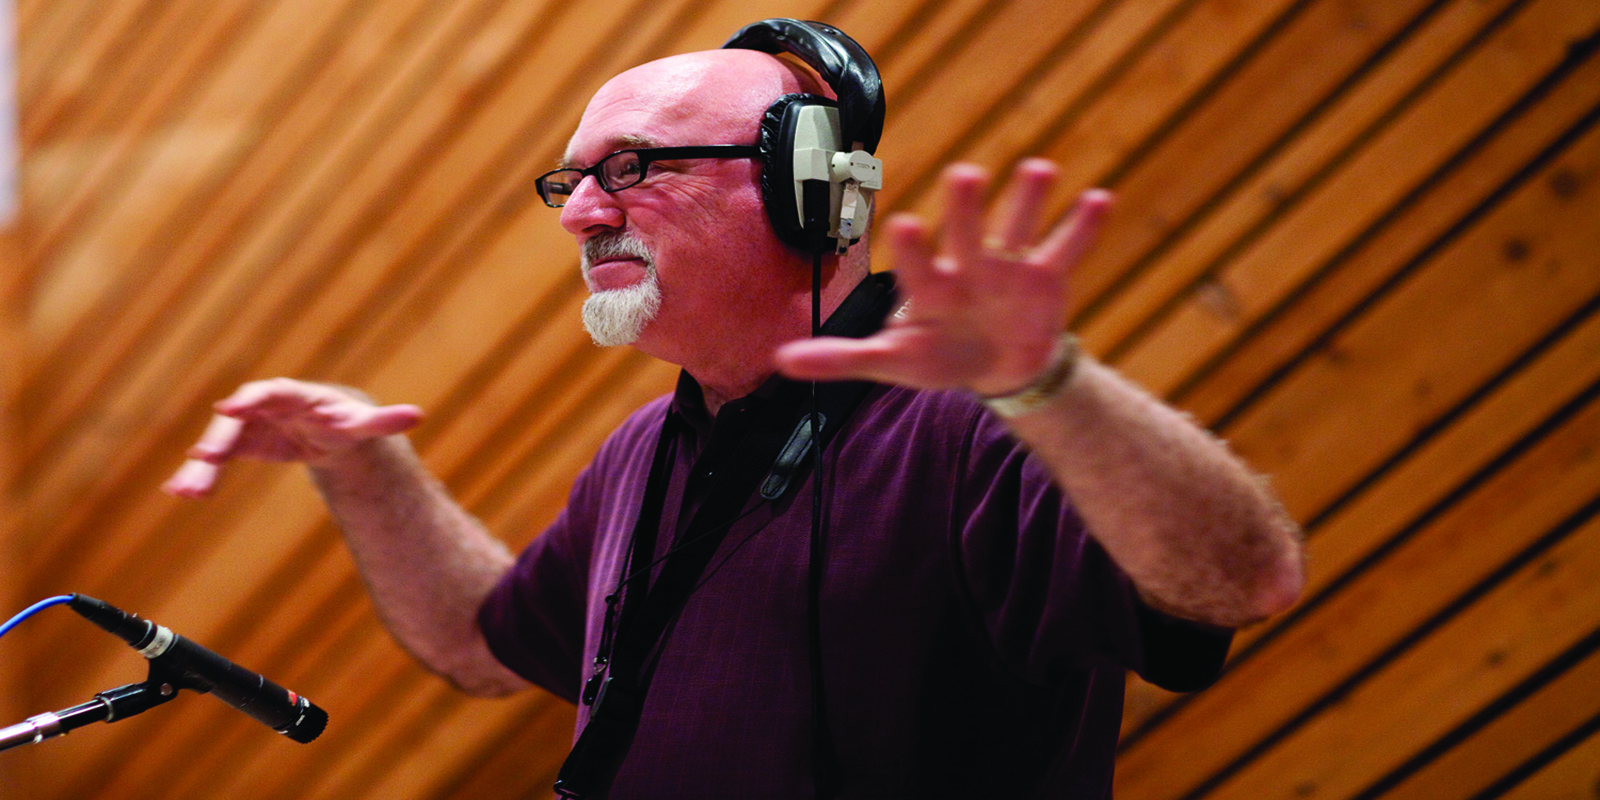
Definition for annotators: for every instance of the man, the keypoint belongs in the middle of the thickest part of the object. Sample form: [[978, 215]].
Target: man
[[985, 580]]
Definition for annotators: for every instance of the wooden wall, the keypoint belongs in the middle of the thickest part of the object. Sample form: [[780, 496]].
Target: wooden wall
[[1360, 238]]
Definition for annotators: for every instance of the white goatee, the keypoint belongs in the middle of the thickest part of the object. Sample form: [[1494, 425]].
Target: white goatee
[[618, 316]]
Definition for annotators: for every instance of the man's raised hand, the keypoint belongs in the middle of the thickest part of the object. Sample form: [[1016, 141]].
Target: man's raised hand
[[285, 420], [988, 295]]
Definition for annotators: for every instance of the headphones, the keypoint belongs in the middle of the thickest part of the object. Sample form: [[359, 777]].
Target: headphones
[[819, 175]]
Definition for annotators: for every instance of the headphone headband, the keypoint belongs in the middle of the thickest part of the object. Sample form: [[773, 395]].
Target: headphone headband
[[840, 61]]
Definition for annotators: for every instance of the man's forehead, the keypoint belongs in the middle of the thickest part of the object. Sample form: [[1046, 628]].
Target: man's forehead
[[711, 97]]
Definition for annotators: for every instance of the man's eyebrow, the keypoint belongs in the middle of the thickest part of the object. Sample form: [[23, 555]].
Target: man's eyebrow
[[626, 141]]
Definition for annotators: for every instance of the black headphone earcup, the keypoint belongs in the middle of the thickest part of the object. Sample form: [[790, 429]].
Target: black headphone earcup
[[803, 224], [814, 131]]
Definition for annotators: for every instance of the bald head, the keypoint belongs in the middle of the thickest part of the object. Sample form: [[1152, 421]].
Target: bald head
[[697, 98]]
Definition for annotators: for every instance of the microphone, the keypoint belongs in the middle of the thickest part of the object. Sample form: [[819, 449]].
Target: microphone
[[197, 668]]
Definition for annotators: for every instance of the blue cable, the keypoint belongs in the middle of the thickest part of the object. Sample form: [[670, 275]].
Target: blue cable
[[34, 609]]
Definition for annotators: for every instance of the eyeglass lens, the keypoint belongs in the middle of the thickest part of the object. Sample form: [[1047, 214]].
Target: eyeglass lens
[[615, 172]]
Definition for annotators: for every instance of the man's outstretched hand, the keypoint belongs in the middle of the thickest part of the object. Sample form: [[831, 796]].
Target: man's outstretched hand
[[988, 295], [285, 420]]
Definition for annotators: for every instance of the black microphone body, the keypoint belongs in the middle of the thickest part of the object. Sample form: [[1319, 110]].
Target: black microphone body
[[191, 666]]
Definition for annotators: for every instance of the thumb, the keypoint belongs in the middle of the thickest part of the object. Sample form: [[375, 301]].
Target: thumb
[[835, 358]]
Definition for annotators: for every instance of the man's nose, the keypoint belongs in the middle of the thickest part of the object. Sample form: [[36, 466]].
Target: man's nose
[[590, 208]]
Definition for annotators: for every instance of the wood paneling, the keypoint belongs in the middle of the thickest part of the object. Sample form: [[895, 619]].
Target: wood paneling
[[1358, 238]]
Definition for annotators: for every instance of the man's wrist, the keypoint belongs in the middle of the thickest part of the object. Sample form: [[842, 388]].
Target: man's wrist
[[1046, 386]]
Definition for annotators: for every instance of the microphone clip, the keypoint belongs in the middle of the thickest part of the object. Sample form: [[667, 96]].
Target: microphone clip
[[107, 706]]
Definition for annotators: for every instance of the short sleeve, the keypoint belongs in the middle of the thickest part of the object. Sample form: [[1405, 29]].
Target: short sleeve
[[1049, 596], [533, 619]]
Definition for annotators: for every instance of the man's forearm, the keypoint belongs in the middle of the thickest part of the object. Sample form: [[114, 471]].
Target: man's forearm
[[427, 563], [1200, 535]]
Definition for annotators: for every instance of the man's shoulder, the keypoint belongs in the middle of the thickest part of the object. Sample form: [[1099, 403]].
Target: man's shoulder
[[937, 430], [647, 417], [638, 429], [940, 413]]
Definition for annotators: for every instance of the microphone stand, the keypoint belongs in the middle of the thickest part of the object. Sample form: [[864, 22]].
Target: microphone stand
[[107, 706]]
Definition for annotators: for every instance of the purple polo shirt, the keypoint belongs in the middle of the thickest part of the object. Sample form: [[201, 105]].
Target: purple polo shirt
[[974, 637]]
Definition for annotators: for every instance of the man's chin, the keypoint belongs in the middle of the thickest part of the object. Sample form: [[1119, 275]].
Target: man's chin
[[619, 316]]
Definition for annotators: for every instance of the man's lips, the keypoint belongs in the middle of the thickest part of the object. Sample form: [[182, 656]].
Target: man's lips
[[617, 273]]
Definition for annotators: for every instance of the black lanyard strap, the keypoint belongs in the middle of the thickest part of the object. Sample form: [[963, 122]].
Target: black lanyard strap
[[768, 455], [619, 701]]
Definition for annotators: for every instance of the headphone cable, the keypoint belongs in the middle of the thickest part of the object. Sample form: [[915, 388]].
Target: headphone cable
[[825, 770]]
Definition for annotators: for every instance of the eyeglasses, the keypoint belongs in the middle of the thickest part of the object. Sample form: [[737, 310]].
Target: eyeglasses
[[626, 168]]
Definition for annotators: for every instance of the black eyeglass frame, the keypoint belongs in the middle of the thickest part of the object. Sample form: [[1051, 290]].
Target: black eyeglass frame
[[646, 156]]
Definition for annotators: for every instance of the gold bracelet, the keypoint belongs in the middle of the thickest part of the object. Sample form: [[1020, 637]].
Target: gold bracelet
[[1045, 387]]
